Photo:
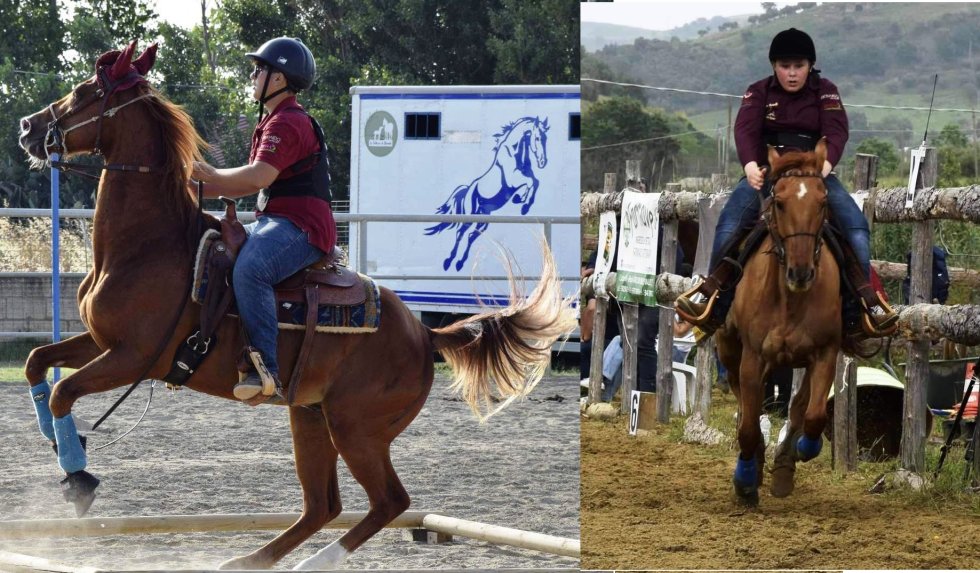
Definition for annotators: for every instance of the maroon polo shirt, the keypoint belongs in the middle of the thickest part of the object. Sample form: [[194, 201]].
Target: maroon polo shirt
[[281, 139], [767, 107]]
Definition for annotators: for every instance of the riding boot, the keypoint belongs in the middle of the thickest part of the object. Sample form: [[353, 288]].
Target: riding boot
[[877, 318], [706, 304]]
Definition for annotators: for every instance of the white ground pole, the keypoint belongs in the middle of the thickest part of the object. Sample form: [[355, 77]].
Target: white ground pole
[[93, 526]]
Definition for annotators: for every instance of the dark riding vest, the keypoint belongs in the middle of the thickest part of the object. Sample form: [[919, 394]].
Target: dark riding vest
[[305, 182]]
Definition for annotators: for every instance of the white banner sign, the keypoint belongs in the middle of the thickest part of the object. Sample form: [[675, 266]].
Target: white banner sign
[[638, 247], [607, 251]]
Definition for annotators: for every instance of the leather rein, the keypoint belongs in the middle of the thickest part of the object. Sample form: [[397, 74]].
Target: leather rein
[[54, 139], [778, 240]]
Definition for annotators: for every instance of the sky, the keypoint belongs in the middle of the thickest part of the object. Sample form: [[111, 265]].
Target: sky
[[663, 15], [649, 15], [183, 13]]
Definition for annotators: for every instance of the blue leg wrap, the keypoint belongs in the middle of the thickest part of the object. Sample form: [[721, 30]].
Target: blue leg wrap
[[40, 394], [746, 473], [71, 456], [807, 449]]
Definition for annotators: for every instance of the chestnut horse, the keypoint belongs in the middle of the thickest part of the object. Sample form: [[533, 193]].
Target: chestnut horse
[[358, 392], [787, 312]]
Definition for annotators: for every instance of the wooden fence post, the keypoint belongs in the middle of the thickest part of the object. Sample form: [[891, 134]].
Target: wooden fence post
[[865, 171], [705, 366], [598, 345], [599, 324], [845, 415], [631, 311], [913, 444], [665, 345]]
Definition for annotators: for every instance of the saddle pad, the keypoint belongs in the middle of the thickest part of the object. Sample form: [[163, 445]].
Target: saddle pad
[[361, 318]]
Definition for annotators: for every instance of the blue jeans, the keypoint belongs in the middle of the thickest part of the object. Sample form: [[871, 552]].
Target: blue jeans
[[275, 249], [742, 210]]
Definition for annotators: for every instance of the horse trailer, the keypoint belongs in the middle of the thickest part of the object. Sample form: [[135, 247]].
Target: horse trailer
[[420, 154]]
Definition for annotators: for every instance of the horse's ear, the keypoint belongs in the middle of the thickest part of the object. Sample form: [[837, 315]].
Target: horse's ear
[[121, 66], [544, 126], [821, 151], [146, 59], [773, 158]]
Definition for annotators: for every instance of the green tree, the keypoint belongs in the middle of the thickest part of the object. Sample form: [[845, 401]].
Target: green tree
[[888, 158], [536, 42], [615, 121], [951, 136]]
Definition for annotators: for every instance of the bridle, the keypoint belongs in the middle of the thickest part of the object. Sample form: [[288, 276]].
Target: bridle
[[778, 240], [54, 139]]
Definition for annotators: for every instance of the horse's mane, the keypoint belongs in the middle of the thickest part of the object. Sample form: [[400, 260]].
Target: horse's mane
[[505, 130], [803, 161], [182, 146]]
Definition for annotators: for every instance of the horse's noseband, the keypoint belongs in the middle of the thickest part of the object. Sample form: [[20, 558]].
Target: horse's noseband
[[778, 240], [54, 139]]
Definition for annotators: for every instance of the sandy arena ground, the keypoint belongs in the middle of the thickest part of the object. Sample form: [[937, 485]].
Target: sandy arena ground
[[653, 502], [194, 454]]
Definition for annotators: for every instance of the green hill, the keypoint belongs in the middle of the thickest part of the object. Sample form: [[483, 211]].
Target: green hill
[[877, 53], [596, 35]]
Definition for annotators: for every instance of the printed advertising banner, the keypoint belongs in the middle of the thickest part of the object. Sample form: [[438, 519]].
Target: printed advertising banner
[[638, 247], [607, 251]]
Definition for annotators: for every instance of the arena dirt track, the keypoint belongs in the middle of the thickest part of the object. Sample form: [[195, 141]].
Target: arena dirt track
[[194, 454], [655, 503]]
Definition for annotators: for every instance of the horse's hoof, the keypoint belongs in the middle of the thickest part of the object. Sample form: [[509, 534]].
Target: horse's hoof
[[79, 489], [782, 482], [747, 495], [246, 563], [525, 209], [459, 265], [446, 263]]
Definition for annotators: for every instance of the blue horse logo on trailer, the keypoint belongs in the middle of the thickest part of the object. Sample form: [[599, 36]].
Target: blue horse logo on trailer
[[521, 147]]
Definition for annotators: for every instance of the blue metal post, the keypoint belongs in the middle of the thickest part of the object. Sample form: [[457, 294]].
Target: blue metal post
[[55, 261]]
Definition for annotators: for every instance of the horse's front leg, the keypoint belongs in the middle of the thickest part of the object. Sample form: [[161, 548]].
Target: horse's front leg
[[824, 369], [752, 455], [73, 352], [784, 461], [532, 192], [110, 370]]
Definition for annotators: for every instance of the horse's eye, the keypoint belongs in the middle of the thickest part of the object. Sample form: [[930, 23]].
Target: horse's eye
[[779, 205]]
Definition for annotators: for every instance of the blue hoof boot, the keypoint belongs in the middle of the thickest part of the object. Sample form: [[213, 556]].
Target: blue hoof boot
[[746, 482], [81, 438], [40, 395], [807, 449], [79, 489]]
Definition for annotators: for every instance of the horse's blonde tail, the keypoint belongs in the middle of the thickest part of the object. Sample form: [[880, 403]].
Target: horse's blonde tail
[[500, 355]]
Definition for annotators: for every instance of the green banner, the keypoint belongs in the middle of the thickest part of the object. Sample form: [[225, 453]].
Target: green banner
[[636, 287]]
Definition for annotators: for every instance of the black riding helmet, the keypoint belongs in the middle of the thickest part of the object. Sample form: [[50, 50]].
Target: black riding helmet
[[291, 57], [790, 44]]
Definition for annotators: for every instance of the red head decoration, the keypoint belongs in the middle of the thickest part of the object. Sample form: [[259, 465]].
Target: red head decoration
[[116, 70]]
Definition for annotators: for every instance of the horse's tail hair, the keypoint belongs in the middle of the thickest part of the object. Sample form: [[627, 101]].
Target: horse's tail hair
[[502, 354], [453, 205]]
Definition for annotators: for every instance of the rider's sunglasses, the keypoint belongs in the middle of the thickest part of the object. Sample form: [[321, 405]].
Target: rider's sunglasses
[[257, 70]]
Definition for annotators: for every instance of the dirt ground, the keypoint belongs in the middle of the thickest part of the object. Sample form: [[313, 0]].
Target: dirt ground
[[194, 454], [655, 503]]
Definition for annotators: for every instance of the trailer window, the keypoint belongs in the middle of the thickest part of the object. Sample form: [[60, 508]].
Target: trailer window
[[574, 126], [422, 126]]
